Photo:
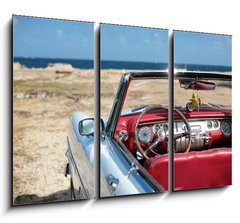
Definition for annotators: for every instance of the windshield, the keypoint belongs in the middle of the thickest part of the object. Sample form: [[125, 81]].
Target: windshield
[[220, 97], [144, 92]]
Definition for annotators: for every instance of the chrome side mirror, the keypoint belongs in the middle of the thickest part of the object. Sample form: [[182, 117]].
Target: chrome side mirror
[[86, 127]]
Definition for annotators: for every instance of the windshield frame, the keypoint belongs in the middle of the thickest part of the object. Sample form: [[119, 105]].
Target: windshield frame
[[122, 92]]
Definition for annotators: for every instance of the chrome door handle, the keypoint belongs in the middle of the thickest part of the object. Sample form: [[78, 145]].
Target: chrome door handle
[[112, 182]]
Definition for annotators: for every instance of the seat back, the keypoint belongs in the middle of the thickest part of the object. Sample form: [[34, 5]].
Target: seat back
[[194, 170]]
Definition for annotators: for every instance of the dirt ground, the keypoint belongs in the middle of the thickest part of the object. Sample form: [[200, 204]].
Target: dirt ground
[[40, 121], [138, 91], [43, 103], [157, 92]]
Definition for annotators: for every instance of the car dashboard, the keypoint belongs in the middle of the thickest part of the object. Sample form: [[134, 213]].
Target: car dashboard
[[206, 133]]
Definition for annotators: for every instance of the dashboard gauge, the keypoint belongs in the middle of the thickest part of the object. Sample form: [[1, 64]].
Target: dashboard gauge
[[156, 127], [161, 134], [165, 127], [226, 128], [123, 135], [144, 135], [215, 124], [209, 124]]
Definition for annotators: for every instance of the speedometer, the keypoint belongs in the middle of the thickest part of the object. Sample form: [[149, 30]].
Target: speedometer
[[145, 135], [226, 128]]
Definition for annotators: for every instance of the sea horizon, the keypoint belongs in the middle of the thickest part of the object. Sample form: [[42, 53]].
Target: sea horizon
[[31, 62]]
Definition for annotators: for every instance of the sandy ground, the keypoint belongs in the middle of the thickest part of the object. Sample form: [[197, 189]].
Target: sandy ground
[[156, 92], [108, 87], [139, 92], [41, 123], [40, 130]]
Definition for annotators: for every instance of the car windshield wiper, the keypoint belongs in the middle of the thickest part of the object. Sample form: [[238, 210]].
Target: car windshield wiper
[[139, 108]]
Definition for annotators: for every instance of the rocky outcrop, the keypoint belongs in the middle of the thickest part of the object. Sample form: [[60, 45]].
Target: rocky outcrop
[[61, 68], [18, 66]]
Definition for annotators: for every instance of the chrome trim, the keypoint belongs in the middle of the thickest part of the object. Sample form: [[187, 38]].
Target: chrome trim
[[200, 138], [142, 171], [117, 106], [82, 152], [124, 171], [72, 164], [203, 75], [189, 119]]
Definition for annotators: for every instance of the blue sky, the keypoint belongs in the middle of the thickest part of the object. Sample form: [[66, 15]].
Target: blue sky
[[127, 43], [201, 48], [51, 38]]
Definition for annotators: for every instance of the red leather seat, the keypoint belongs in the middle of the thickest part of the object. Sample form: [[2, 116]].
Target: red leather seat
[[193, 170], [158, 168]]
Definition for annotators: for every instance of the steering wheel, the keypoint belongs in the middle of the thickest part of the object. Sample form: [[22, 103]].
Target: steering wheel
[[161, 136]]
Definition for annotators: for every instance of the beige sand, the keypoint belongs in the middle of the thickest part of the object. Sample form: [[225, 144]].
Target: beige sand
[[40, 130]]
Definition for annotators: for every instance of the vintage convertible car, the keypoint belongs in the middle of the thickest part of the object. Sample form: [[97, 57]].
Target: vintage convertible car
[[134, 151]]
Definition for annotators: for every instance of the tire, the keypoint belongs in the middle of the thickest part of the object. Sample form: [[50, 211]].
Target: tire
[[72, 194]]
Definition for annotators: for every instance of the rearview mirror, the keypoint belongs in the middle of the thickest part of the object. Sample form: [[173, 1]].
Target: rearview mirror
[[197, 85]]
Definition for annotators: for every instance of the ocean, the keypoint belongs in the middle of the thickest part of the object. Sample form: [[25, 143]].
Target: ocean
[[127, 65], [43, 62]]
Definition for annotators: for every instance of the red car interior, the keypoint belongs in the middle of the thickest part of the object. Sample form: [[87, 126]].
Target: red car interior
[[194, 170], [207, 167]]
